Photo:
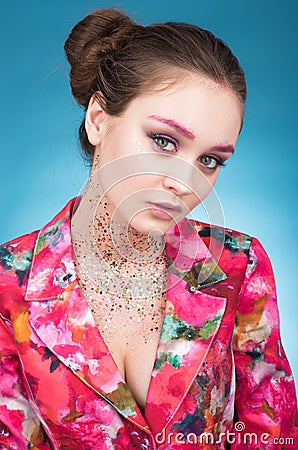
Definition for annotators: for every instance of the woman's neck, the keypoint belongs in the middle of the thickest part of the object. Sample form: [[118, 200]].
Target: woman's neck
[[122, 246]]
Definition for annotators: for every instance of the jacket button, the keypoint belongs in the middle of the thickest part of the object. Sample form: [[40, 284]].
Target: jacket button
[[143, 443]]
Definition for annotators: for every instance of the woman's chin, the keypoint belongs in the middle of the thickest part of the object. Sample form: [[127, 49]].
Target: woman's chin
[[147, 224]]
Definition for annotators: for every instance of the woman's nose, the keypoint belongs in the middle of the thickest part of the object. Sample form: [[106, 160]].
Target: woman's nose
[[182, 178], [177, 187], [178, 176]]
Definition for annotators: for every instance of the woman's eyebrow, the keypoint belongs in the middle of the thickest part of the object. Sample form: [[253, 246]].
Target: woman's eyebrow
[[175, 125], [226, 148]]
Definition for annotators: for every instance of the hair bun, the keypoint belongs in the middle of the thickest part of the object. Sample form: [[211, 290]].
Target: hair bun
[[98, 36]]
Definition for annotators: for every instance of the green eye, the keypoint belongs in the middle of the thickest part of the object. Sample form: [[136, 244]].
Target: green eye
[[209, 162], [162, 142], [165, 144]]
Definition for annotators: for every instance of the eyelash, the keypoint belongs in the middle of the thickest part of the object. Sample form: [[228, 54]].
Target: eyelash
[[156, 136]]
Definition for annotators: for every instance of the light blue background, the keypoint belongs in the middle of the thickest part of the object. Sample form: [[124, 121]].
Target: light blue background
[[40, 166]]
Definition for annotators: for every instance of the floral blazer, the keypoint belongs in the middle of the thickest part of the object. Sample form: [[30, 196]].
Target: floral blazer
[[220, 378]]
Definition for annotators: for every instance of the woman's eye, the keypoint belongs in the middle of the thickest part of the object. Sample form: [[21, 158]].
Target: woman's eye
[[210, 162], [164, 143]]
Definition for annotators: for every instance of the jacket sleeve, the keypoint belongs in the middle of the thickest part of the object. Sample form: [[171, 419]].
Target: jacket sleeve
[[266, 408], [19, 426]]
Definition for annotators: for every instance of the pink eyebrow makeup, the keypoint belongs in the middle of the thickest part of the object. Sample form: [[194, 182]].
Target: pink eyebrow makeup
[[175, 125], [223, 148], [228, 148]]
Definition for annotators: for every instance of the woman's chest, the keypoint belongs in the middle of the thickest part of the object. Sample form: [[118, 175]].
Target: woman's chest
[[135, 359], [131, 331]]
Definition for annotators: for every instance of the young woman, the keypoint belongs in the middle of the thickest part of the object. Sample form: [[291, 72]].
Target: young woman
[[125, 324]]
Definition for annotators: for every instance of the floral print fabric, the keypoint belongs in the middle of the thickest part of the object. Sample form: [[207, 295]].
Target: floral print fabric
[[219, 361]]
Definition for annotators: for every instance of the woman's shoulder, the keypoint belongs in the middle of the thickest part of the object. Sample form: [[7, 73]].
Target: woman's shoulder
[[16, 254], [15, 262], [235, 247], [233, 240], [33, 257]]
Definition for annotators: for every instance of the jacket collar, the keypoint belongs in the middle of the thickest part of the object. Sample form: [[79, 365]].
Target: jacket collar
[[52, 268]]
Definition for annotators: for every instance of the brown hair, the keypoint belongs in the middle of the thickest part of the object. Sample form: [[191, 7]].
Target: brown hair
[[111, 54]]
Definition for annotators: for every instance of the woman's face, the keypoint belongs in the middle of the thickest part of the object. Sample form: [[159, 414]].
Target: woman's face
[[162, 157]]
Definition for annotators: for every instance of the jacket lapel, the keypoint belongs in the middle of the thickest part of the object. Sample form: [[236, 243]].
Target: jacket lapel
[[190, 324], [67, 329]]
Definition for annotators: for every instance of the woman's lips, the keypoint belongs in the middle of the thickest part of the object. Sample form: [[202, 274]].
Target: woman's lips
[[165, 210]]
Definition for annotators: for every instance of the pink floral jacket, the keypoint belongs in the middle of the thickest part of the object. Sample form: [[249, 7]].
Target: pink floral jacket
[[220, 378]]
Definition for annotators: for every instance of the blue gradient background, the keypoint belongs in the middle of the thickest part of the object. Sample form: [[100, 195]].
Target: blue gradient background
[[40, 166]]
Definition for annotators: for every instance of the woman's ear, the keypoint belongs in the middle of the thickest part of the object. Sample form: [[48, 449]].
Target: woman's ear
[[93, 120]]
